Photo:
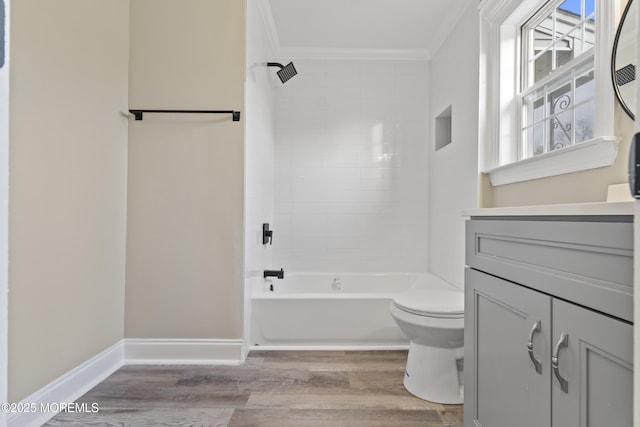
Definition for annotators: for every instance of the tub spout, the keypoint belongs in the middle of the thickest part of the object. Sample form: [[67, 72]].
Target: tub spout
[[274, 273]]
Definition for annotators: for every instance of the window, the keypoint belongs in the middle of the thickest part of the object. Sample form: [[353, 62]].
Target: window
[[546, 101], [558, 91]]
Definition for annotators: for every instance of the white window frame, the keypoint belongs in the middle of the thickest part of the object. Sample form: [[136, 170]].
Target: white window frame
[[500, 73]]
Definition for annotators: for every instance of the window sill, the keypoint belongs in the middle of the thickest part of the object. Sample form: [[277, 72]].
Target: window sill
[[595, 153]]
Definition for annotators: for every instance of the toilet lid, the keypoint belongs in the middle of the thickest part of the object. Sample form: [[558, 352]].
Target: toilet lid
[[434, 303]]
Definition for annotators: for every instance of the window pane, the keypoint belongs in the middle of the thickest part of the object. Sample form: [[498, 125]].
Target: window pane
[[589, 8], [589, 34], [542, 39], [560, 123], [559, 99], [533, 140], [543, 35], [560, 128], [569, 28], [585, 87], [560, 37], [533, 108], [542, 66], [570, 7], [564, 50], [561, 111], [585, 118], [570, 24]]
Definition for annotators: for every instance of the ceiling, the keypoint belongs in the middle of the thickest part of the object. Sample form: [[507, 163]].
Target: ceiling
[[411, 27]]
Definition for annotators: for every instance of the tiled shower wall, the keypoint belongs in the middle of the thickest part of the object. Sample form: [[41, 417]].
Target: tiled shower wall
[[351, 168]]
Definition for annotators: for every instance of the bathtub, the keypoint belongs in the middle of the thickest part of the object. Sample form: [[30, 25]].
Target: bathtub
[[339, 310]]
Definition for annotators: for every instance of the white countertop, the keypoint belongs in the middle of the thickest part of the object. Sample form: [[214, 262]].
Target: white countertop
[[573, 209]]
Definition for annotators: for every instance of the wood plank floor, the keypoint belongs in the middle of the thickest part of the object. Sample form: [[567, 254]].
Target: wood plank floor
[[272, 388]]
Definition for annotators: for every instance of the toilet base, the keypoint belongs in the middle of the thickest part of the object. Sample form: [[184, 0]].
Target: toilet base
[[432, 373]]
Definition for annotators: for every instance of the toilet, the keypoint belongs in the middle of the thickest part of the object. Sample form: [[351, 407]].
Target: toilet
[[433, 320]]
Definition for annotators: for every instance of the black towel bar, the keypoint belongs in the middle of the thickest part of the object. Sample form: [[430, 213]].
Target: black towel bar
[[235, 114]]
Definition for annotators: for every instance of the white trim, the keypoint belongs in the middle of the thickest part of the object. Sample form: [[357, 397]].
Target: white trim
[[182, 352], [595, 153], [499, 22], [287, 53], [75, 383], [69, 387], [344, 53], [604, 95], [496, 10]]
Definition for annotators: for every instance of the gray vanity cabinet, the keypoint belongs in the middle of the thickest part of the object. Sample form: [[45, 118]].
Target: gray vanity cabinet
[[506, 390], [520, 305], [598, 366]]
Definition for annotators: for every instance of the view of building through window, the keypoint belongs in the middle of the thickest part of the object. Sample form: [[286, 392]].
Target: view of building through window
[[558, 77]]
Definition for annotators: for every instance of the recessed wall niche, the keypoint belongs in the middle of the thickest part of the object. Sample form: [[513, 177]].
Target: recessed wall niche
[[443, 128]]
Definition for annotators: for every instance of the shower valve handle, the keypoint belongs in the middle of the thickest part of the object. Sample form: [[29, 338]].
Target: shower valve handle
[[267, 235]]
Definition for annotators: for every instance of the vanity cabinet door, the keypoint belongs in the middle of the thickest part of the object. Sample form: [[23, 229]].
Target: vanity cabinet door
[[596, 362], [503, 388]]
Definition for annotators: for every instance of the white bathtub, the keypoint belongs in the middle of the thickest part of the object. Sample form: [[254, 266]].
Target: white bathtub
[[325, 310]]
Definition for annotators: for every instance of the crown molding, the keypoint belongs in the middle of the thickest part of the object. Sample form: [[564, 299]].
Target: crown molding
[[492, 9], [287, 53], [264, 7], [446, 29], [346, 53]]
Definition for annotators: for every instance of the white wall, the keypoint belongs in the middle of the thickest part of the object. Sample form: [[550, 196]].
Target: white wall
[[454, 168], [259, 152], [68, 171], [185, 251], [351, 178]]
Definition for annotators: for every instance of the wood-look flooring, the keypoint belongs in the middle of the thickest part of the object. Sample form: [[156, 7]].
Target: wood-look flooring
[[271, 389]]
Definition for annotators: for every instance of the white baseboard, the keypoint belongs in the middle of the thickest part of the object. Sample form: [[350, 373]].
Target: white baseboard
[[67, 388], [70, 386], [182, 352]]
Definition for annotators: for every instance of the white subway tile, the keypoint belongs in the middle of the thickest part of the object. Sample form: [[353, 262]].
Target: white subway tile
[[343, 74], [352, 140], [316, 220]]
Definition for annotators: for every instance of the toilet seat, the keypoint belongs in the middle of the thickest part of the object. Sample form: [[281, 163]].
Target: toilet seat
[[431, 303]]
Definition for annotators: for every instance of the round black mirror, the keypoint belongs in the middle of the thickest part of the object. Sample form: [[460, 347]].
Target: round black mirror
[[624, 59]]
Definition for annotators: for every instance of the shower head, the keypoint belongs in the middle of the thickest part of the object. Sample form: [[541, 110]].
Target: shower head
[[285, 72]]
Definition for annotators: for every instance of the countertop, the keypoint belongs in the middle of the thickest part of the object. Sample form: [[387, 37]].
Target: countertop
[[573, 209]]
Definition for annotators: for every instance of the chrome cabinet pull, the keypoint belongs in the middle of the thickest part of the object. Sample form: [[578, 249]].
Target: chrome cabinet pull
[[563, 342], [537, 327]]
